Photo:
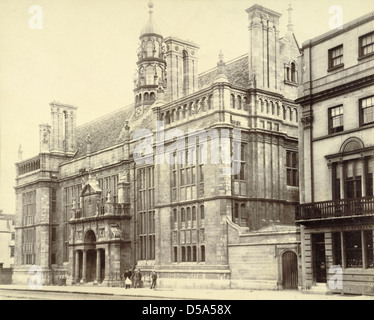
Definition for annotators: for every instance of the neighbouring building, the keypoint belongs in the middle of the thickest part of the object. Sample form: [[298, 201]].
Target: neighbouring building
[[136, 189], [7, 247], [337, 158]]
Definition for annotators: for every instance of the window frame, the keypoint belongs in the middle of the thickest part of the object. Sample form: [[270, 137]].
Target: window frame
[[361, 48], [292, 167], [361, 111], [332, 129], [331, 65]]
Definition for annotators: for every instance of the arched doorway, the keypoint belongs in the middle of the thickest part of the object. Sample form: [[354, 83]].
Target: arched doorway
[[91, 265], [90, 244], [289, 271]]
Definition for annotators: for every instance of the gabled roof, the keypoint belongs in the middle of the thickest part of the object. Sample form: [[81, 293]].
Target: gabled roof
[[237, 72], [104, 132], [90, 188]]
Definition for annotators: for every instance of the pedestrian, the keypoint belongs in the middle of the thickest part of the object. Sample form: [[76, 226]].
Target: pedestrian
[[128, 274], [128, 283], [154, 279], [138, 279]]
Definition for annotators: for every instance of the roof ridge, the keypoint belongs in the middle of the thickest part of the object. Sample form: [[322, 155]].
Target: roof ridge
[[227, 63], [105, 116]]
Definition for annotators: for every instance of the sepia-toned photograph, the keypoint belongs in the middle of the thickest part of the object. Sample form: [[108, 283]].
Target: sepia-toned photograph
[[190, 150]]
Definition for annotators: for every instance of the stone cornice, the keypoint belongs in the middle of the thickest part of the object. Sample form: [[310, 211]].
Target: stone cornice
[[336, 91]]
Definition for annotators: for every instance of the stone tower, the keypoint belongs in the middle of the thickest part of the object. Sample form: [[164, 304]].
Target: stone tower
[[264, 47], [151, 73]]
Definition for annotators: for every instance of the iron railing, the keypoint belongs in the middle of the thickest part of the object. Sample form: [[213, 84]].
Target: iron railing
[[336, 209]]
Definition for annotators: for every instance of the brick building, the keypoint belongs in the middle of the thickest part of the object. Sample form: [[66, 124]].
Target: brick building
[[135, 188], [336, 145]]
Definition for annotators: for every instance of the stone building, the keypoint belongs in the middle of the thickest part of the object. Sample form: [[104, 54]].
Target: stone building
[[7, 237], [149, 186], [337, 148]]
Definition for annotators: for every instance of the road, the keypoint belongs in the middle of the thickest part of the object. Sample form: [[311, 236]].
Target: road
[[37, 295]]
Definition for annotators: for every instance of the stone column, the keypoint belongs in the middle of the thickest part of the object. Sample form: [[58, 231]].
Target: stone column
[[84, 266], [344, 260], [76, 271], [98, 265], [363, 175], [364, 251], [341, 177]]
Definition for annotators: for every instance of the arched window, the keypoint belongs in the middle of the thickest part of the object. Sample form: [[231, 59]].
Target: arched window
[[245, 103], [149, 49], [296, 116], [202, 252], [188, 215], [290, 114], [157, 49], [284, 113], [183, 215], [210, 102], [239, 102], [194, 217], [293, 72], [189, 255], [203, 104], [175, 218], [183, 254], [232, 101], [167, 118], [202, 213], [146, 97], [150, 76]]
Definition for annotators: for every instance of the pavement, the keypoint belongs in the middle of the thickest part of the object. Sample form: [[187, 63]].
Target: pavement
[[187, 294]]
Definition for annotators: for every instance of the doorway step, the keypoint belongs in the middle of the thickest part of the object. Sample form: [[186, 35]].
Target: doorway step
[[319, 288]]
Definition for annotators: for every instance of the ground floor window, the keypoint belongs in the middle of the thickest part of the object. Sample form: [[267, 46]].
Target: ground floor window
[[188, 233], [369, 248], [337, 248], [353, 247], [357, 250]]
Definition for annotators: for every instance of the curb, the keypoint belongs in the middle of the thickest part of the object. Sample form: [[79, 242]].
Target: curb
[[97, 293]]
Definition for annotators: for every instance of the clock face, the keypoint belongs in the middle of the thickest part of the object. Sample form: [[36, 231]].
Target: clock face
[[138, 111]]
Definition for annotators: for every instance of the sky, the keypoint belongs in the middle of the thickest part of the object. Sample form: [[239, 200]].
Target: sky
[[84, 53]]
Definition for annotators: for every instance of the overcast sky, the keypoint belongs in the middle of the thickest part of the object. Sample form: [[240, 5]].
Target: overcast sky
[[85, 55]]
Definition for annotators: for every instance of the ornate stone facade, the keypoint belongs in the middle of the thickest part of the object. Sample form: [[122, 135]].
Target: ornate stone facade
[[108, 211]]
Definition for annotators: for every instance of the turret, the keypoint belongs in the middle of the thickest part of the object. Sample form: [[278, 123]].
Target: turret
[[151, 71]]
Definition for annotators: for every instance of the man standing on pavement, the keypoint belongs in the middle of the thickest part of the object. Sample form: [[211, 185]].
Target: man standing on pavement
[[138, 279], [154, 279]]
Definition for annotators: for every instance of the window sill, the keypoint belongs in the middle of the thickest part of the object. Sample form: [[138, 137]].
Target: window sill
[[365, 56], [336, 132], [291, 83], [340, 66], [363, 125]]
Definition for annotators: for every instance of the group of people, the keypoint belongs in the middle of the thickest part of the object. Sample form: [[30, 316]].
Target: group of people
[[135, 278]]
